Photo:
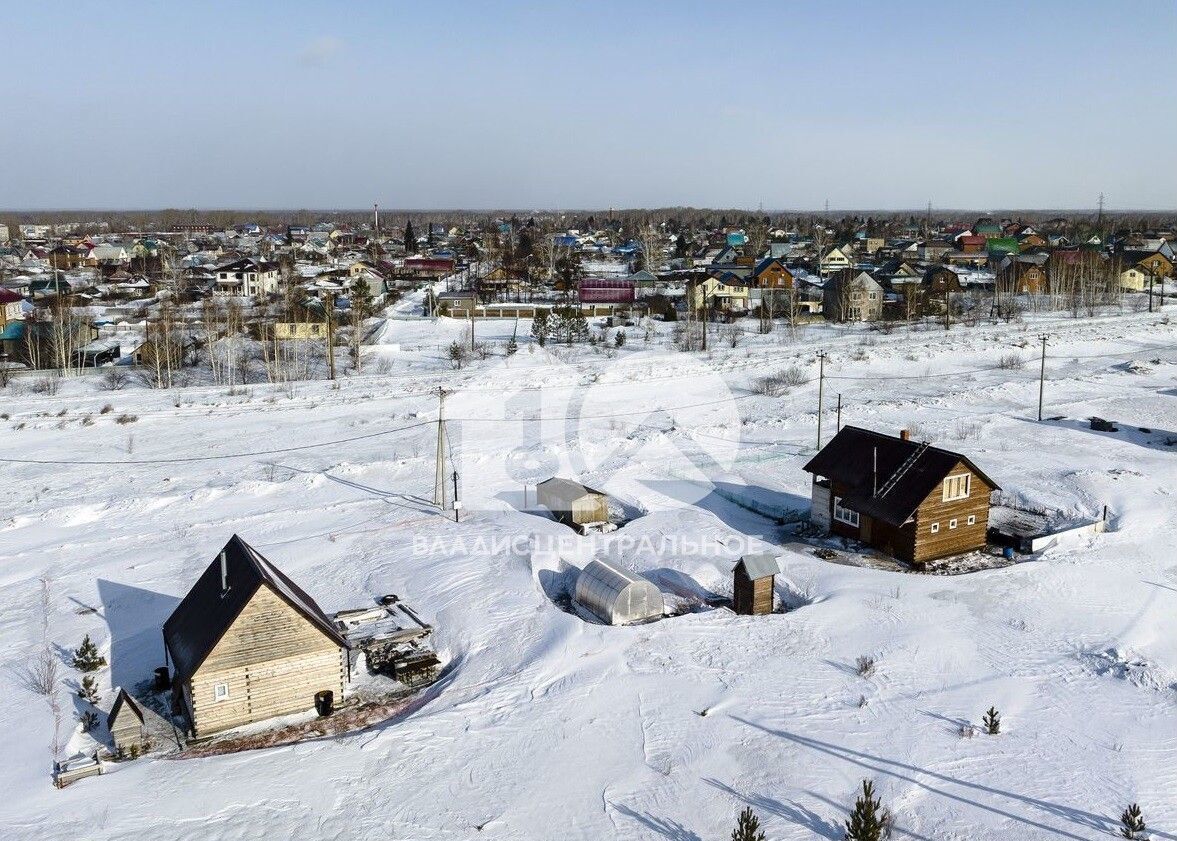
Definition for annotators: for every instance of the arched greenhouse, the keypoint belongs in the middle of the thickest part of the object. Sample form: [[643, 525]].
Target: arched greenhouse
[[616, 597]]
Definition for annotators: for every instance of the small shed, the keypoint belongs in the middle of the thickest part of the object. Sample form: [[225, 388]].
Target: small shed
[[125, 723], [572, 503], [616, 597], [754, 577]]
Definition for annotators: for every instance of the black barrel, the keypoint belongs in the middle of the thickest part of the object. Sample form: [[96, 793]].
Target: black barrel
[[325, 703]]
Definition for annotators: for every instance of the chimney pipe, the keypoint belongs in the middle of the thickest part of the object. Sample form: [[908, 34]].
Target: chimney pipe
[[904, 435], [875, 475], [224, 573]]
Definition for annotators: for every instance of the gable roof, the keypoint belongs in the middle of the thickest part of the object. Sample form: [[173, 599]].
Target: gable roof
[[849, 460], [760, 565], [123, 699], [567, 489], [206, 613], [248, 264]]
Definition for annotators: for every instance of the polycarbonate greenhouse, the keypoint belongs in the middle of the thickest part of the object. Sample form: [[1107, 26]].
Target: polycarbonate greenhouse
[[616, 597]]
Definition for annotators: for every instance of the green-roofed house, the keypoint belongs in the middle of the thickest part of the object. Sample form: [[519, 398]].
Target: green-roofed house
[[1002, 245], [988, 229]]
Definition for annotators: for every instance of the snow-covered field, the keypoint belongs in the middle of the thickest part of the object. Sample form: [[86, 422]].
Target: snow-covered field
[[546, 726]]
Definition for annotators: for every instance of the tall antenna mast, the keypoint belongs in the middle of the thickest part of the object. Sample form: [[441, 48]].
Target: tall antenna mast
[[1099, 220], [376, 218]]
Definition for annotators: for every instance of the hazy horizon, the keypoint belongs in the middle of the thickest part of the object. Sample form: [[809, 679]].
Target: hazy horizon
[[637, 105]]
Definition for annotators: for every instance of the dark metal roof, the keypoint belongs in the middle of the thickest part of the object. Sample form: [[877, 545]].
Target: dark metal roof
[[206, 613], [123, 698], [849, 460]]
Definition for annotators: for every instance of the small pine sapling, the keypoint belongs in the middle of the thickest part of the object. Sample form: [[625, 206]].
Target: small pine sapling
[[619, 338], [89, 720], [865, 665], [1133, 823], [512, 346], [868, 821], [87, 658], [747, 827], [992, 721], [88, 689]]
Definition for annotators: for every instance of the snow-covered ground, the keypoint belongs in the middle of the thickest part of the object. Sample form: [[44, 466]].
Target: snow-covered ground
[[546, 726]]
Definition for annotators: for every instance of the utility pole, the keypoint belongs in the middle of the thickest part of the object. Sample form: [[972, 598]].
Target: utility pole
[[1151, 277], [331, 335], [821, 383], [1042, 376], [947, 322], [705, 319], [838, 428], [457, 502], [439, 481]]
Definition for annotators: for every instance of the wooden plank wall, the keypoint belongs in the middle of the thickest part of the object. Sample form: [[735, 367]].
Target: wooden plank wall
[[273, 661], [963, 538]]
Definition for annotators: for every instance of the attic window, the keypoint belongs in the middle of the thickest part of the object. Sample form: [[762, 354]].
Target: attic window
[[956, 487], [220, 692], [844, 515]]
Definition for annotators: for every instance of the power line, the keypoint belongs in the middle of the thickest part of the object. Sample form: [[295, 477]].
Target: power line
[[562, 418], [218, 457]]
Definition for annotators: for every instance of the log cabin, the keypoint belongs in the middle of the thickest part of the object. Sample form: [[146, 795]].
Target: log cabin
[[910, 500], [752, 584], [247, 644]]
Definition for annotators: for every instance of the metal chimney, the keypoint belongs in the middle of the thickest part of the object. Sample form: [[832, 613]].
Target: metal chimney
[[224, 573], [904, 435]]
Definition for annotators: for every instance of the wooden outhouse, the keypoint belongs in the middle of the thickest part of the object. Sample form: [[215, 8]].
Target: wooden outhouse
[[247, 644], [572, 503], [126, 725], [911, 500], [754, 577]]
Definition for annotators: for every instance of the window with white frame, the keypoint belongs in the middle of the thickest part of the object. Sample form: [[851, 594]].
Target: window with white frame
[[972, 519], [952, 524], [844, 515], [220, 692], [957, 487], [935, 528]]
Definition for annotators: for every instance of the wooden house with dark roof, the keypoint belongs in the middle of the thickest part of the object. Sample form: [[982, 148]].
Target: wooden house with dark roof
[[913, 501], [247, 644]]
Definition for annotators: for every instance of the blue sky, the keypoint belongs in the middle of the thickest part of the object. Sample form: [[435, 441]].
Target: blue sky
[[1039, 103]]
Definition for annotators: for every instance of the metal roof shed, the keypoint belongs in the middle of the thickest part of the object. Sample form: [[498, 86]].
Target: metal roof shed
[[616, 597]]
